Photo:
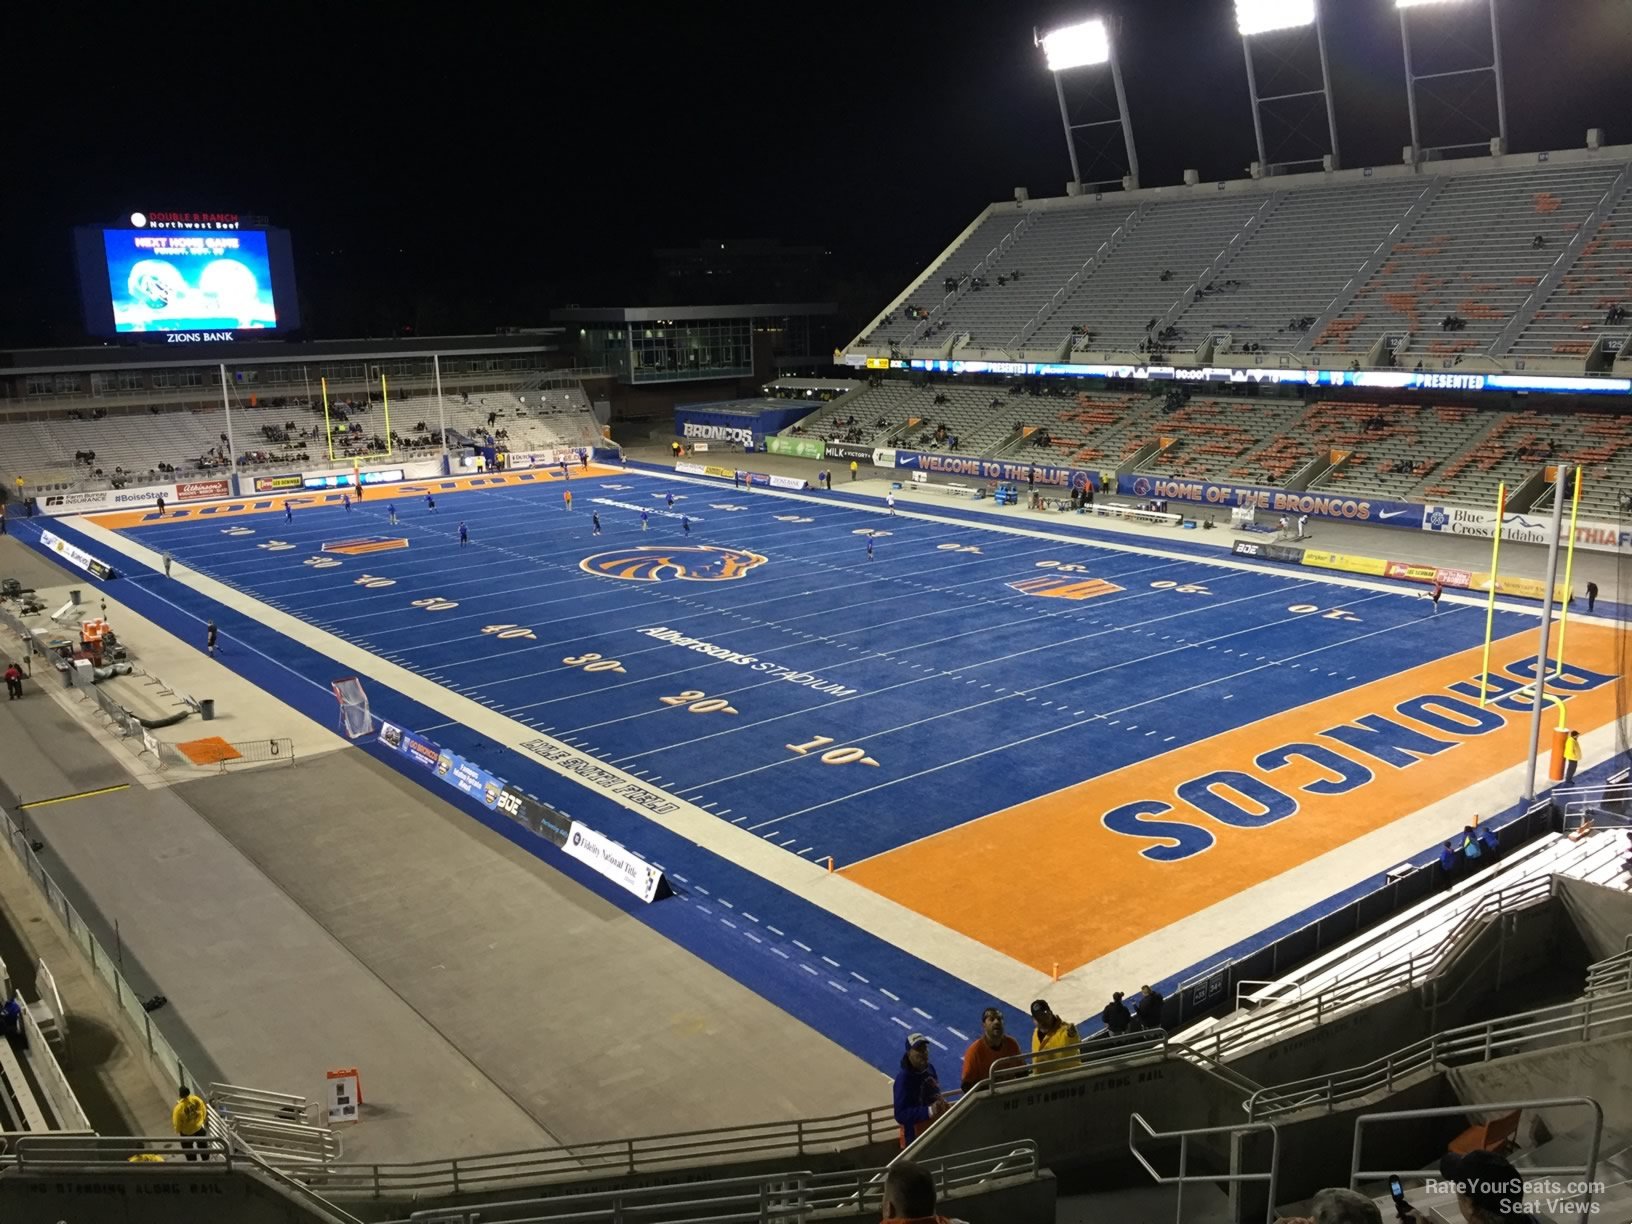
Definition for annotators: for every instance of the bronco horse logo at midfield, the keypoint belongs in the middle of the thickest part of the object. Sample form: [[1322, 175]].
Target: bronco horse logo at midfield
[[660, 563]]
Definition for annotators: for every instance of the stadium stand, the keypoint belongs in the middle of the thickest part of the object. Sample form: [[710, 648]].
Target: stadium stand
[[135, 447], [999, 302], [1588, 300], [1473, 257], [1215, 435], [1458, 254], [1389, 450], [1294, 264], [1169, 245]]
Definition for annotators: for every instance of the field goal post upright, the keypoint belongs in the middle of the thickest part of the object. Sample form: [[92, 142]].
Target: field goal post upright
[[1490, 599], [328, 427], [385, 398]]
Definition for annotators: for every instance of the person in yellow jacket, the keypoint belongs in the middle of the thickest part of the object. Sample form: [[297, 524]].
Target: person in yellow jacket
[[1054, 1041], [190, 1118], [1572, 756]]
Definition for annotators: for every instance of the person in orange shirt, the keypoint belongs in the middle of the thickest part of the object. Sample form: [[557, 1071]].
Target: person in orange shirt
[[991, 1045]]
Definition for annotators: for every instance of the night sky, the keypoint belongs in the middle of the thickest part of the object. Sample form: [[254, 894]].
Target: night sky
[[458, 167]]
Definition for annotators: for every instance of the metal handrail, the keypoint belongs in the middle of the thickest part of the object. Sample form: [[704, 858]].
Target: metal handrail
[[496, 1170], [1579, 1020], [1269, 1020], [1227, 1040], [1182, 1178], [1587, 1174], [37, 1153], [863, 1188]]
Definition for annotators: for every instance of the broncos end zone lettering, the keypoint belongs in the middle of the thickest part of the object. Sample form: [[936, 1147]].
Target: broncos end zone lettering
[[1342, 759]]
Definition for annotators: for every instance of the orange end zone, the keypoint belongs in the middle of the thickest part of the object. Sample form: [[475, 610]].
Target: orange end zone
[[269, 503], [1047, 881]]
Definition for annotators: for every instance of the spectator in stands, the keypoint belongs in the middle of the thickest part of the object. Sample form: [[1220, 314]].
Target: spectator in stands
[[1487, 840], [190, 1118], [909, 1196], [992, 1044], [1489, 1189], [1052, 1045], [11, 1023], [1147, 1012], [918, 1099], [1447, 864], [1340, 1207], [1572, 756], [1116, 1016], [1470, 848]]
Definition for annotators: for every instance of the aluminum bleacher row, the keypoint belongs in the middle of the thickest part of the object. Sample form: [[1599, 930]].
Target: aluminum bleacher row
[[1403, 451], [1528, 252], [35, 1096], [134, 445]]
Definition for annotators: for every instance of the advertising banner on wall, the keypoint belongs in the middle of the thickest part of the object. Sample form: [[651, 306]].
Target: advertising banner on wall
[[621, 866], [800, 448], [203, 490], [279, 484], [1595, 535], [105, 499], [75, 555], [1290, 502], [851, 450], [494, 792], [1007, 470]]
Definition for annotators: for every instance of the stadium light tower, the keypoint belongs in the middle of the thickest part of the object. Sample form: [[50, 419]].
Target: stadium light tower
[[1254, 18], [1413, 78], [1085, 45]]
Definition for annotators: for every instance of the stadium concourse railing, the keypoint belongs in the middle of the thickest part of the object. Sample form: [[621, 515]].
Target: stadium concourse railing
[[117, 1157], [1214, 986], [501, 1170], [1584, 1175], [165, 1062], [1271, 1176], [1606, 806], [1276, 1018], [779, 1198], [1587, 1018]]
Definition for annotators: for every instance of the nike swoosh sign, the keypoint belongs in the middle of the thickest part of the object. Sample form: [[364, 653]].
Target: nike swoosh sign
[[1388, 514]]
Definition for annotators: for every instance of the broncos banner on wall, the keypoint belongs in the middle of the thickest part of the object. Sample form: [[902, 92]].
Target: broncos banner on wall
[[997, 469], [1315, 503]]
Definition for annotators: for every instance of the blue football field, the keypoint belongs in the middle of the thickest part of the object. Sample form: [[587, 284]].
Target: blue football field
[[769, 670]]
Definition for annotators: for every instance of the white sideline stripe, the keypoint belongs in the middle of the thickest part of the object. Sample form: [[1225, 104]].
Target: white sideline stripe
[[986, 969]]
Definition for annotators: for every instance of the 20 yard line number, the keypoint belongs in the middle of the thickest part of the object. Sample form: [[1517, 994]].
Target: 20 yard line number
[[698, 702]]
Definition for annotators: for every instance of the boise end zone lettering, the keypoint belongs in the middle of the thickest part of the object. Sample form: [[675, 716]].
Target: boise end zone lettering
[[1343, 758]]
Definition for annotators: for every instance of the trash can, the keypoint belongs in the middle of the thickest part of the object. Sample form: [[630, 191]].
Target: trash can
[[206, 707]]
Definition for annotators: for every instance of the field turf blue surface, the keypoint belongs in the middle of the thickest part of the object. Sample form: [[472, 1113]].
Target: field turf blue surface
[[969, 694]]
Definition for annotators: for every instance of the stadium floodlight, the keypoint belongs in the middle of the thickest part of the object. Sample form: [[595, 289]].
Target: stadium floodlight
[[1258, 17], [1264, 16], [1087, 45], [1431, 80], [1076, 46]]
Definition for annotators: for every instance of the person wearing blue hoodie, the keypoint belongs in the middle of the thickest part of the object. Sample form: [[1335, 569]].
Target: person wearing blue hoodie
[[918, 1099]]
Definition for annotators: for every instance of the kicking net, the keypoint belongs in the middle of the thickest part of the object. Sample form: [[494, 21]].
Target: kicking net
[[355, 719]]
